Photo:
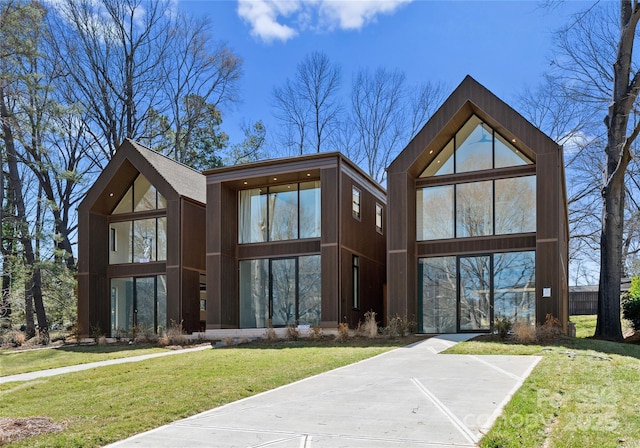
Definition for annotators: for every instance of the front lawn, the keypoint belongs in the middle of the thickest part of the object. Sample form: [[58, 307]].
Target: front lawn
[[584, 393], [101, 406]]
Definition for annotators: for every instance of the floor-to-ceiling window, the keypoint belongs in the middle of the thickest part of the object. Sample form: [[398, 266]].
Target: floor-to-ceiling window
[[467, 293], [280, 291], [139, 302]]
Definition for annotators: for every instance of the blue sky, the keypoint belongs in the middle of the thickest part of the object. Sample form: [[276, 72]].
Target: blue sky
[[505, 45]]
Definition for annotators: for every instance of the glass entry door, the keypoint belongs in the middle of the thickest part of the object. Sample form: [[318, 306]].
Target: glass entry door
[[283, 291], [145, 299], [139, 302], [475, 293]]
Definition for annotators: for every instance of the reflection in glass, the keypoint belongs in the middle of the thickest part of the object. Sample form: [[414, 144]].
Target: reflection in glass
[[145, 303], [161, 303], [283, 288], [437, 289], [144, 195], [253, 216], [514, 286], [515, 205], [309, 290], [475, 293], [310, 209], [144, 238], [254, 293], [434, 213], [283, 212], [162, 239], [507, 155], [121, 306], [474, 209], [474, 147]]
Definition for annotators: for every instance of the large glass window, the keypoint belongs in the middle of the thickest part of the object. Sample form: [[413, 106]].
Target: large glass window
[[475, 147], [435, 213], [138, 241], [138, 302], [438, 293], [283, 212], [493, 207], [515, 201], [466, 293], [474, 209], [280, 291], [141, 196]]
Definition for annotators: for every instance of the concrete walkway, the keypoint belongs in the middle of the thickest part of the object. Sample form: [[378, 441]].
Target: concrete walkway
[[92, 365], [409, 397]]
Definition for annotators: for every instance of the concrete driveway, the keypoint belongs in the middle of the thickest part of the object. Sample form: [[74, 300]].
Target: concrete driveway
[[409, 397]]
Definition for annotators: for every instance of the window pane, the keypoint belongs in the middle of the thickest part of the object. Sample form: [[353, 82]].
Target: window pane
[[252, 219], [283, 287], [144, 195], [162, 239], [507, 155], [437, 277], [516, 205], [379, 218], [310, 209], [514, 286], [475, 293], [120, 240], [355, 202], [434, 213], [309, 290], [145, 304], [162, 202], [474, 209], [144, 240], [126, 203], [474, 141], [442, 164], [161, 304], [254, 293], [121, 306], [283, 212]]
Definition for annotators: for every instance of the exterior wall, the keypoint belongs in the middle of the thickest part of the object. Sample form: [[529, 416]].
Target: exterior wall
[[337, 241]]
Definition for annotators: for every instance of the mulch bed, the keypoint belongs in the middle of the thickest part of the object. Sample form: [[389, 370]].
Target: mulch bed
[[14, 429]]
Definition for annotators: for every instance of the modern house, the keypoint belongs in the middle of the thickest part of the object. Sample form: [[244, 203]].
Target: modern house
[[141, 245], [297, 241], [477, 219], [473, 228]]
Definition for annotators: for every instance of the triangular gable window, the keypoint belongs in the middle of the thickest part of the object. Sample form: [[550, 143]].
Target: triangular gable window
[[475, 147], [141, 196]]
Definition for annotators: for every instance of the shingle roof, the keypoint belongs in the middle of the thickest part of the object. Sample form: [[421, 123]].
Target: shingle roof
[[186, 181]]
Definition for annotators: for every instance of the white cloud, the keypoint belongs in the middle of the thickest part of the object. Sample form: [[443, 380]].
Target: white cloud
[[283, 19]]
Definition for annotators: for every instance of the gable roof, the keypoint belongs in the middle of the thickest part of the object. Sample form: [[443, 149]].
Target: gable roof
[[470, 98], [171, 178]]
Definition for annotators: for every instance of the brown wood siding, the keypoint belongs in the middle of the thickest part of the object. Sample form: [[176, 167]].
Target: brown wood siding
[[372, 275], [190, 301], [288, 248], [330, 303], [463, 246], [583, 303], [193, 236]]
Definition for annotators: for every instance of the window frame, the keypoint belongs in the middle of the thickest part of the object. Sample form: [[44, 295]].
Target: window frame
[[380, 218], [356, 206]]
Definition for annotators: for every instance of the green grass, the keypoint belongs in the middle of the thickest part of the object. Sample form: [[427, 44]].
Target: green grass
[[12, 363], [583, 393], [585, 325], [108, 404]]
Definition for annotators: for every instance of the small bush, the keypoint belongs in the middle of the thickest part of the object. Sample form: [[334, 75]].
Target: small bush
[[95, 333], [370, 326], [17, 338], [146, 336], [400, 327], [229, 341], [270, 334], [102, 340], [501, 327], [343, 332], [173, 336], [316, 333], [550, 330], [524, 333], [293, 334], [631, 311]]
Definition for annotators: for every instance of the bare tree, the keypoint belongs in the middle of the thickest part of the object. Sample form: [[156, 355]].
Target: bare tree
[[598, 68], [308, 105]]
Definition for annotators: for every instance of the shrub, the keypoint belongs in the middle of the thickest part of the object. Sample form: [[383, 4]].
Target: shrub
[[293, 334], [631, 311], [102, 340], [17, 338], [270, 334], [174, 335], [316, 333], [343, 332], [95, 333], [501, 327], [370, 326], [524, 333], [400, 327], [550, 330]]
